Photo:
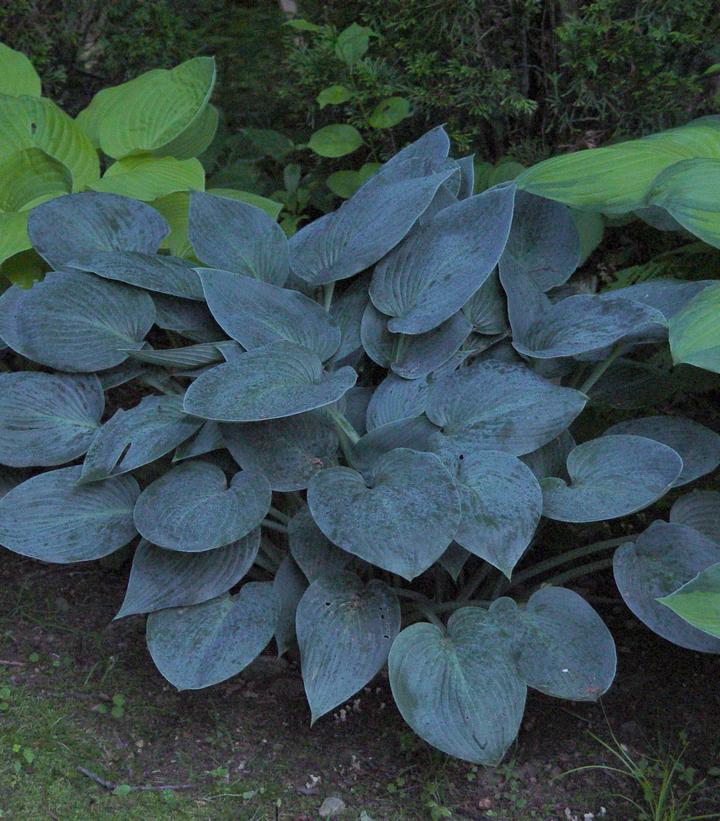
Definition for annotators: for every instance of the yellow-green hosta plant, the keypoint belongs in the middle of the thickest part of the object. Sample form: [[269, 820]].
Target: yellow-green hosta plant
[[140, 139], [352, 440]]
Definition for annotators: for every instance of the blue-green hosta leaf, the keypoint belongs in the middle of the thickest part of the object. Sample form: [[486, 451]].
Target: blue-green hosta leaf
[[370, 223], [467, 176], [661, 560], [166, 275], [345, 630], [453, 560], [207, 439], [501, 506], [167, 578], [486, 310], [352, 510], [75, 322], [551, 458], [267, 383], [697, 446], [49, 517], [698, 601], [133, 438], [289, 585], [611, 476], [315, 554], [158, 112], [493, 405], [47, 419], [288, 451], [687, 190], [71, 227], [411, 357], [121, 374], [433, 273], [565, 650], [195, 647], [415, 433], [459, 689], [191, 508], [669, 296], [347, 311], [234, 236], [543, 243], [256, 313], [188, 318], [192, 356], [355, 403], [433, 145], [699, 510], [396, 398]]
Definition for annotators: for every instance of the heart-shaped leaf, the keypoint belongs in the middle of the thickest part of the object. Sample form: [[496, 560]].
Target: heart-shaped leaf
[[195, 647], [47, 419], [698, 601], [699, 510], [256, 313], [486, 310], [167, 578], [137, 437], [345, 630], [315, 554], [497, 406], [352, 511], [49, 517], [234, 236], [454, 559], [610, 477], [191, 508], [661, 560], [369, 224], [335, 140], [434, 272], [77, 225], [267, 383], [698, 446], [75, 322], [396, 398], [415, 433], [148, 178], [288, 451]]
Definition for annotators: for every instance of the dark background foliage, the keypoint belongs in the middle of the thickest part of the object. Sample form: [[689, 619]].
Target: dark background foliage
[[520, 77]]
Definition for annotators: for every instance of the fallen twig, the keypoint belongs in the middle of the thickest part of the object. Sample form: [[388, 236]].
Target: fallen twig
[[12, 663], [111, 785]]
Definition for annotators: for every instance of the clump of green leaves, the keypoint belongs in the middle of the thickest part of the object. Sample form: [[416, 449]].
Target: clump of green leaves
[[350, 439]]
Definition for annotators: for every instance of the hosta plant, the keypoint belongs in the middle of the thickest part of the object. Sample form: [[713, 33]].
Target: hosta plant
[[351, 439]]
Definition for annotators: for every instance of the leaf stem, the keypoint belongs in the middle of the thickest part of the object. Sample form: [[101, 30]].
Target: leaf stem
[[600, 369], [579, 572], [279, 515], [475, 581], [577, 553], [430, 615], [271, 525], [328, 291], [342, 423]]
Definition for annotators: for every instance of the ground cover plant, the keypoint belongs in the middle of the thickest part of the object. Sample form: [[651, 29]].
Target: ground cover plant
[[351, 438]]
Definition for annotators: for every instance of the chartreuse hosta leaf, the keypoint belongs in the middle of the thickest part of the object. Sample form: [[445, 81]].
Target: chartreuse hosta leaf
[[17, 75], [168, 578], [370, 223], [610, 477], [501, 506], [699, 510], [314, 553], [148, 178], [662, 559], [543, 243], [28, 122], [345, 629], [73, 227], [152, 111], [257, 313], [433, 273], [498, 406], [74, 321], [29, 177], [463, 690], [288, 451], [698, 601], [13, 235], [47, 419], [351, 510], [138, 436], [194, 647], [235, 236], [267, 383], [49, 517], [695, 331], [411, 357], [191, 508], [698, 446]]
